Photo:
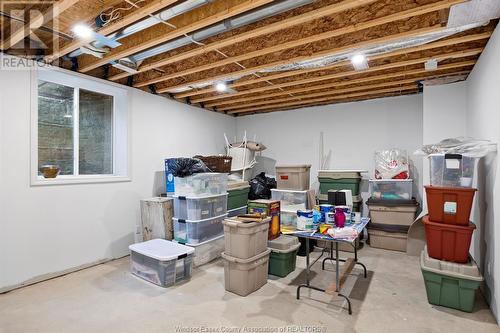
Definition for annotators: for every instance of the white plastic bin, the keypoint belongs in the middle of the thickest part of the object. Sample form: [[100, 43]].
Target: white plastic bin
[[201, 184], [391, 189], [245, 239], [237, 211], [200, 208], [244, 276], [195, 232], [452, 170], [293, 177], [290, 200], [161, 262]]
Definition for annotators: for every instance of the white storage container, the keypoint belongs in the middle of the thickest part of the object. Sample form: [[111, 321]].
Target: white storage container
[[452, 170], [237, 211], [195, 232], [293, 177], [199, 208], [161, 262], [391, 189], [244, 276], [201, 184], [290, 200], [207, 251]]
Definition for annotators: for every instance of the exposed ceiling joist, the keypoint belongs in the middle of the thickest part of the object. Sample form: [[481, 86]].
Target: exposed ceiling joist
[[248, 101], [328, 98], [36, 22], [437, 44], [421, 10], [424, 75], [340, 75], [372, 42], [267, 29], [184, 26], [127, 20]]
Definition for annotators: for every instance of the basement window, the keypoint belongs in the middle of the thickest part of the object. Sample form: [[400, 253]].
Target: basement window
[[81, 128]]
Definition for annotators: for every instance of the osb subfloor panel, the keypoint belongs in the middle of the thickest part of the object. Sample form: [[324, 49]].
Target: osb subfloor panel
[[106, 298]]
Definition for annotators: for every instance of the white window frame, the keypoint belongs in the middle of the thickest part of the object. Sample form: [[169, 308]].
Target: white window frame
[[121, 149]]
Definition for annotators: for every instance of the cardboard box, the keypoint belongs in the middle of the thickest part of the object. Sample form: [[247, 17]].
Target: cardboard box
[[272, 209]]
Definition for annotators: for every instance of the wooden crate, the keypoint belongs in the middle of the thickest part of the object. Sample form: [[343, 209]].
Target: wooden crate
[[156, 218]]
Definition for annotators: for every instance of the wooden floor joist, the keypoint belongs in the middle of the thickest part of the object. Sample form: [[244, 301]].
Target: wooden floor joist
[[324, 99], [361, 45], [267, 29], [437, 44], [459, 54], [35, 22], [423, 72], [128, 49], [307, 40], [128, 19]]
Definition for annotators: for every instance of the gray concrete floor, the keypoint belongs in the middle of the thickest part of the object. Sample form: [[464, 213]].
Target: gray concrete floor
[[107, 298]]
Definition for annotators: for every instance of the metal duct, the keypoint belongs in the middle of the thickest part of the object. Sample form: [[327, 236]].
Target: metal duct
[[224, 26]]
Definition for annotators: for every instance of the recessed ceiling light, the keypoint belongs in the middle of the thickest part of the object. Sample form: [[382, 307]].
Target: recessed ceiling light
[[82, 31], [359, 61], [221, 87]]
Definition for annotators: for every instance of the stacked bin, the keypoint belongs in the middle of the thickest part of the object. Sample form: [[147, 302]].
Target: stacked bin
[[392, 211], [237, 198], [451, 277], [246, 255], [290, 202], [337, 180], [200, 206]]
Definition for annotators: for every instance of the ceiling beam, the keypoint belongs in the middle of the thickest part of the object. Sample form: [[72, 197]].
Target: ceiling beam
[[336, 101], [36, 22], [266, 29], [437, 44], [234, 109], [360, 45], [459, 54], [251, 101], [421, 10], [327, 98], [127, 20], [194, 24]]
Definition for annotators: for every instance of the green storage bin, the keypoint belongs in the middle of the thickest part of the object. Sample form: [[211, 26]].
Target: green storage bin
[[237, 197], [326, 184], [283, 255], [450, 284]]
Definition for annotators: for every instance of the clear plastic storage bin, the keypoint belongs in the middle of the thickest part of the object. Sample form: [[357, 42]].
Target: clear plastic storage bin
[[193, 208], [391, 189], [451, 170], [288, 220], [201, 184], [161, 262], [290, 200], [207, 251], [195, 232]]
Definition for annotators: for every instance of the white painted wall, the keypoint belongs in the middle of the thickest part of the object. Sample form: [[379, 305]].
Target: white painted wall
[[444, 110], [482, 121], [352, 132], [54, 228]]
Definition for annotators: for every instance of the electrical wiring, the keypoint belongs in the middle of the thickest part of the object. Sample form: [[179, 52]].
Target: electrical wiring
[[111, 14]]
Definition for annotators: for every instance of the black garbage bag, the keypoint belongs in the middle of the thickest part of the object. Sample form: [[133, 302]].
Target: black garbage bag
[[260, 187], [183, 166]]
